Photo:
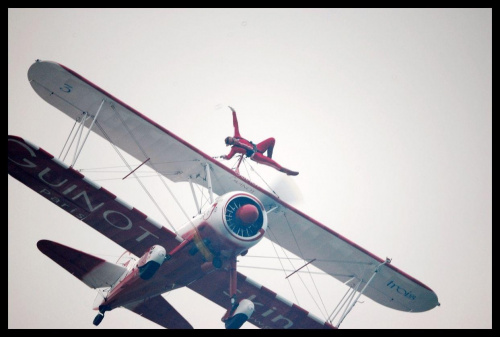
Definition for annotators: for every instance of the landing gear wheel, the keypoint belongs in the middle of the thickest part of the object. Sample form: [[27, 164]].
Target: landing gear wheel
[[217, 262], [98, 318], [193, 250]]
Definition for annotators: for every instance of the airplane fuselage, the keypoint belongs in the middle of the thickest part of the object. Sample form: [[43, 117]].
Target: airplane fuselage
[[229, 227]]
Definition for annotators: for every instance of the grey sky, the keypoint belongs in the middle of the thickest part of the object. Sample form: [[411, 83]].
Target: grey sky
[[386, 114]]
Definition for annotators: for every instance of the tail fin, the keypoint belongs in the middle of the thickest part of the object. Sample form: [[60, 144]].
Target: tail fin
[[98, 273]]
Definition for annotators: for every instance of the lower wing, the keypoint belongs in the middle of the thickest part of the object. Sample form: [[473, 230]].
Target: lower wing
[[158, 310], [271, 310], [84, 199]]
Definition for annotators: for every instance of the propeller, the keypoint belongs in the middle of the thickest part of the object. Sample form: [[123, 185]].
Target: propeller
[[244, 217]]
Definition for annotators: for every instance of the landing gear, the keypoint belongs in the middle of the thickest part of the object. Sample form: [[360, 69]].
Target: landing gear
[[217, 262], [98, 318], [239, 312]]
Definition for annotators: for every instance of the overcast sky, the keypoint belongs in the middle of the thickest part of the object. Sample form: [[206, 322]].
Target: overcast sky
[[386, 114]]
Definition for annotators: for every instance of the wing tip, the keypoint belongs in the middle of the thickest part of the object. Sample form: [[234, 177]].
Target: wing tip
[[44, 245]]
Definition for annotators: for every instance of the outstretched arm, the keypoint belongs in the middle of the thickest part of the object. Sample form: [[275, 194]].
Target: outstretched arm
[[235, 124], [230, 154]]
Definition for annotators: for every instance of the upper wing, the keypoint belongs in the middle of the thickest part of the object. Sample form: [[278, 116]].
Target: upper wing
[[346, 261], [179, 161], [271, 310], [121, 125]]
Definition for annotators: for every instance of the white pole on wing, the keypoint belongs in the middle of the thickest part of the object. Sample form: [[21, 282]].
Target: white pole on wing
[[387, 260], [90, 128], [209, 182]]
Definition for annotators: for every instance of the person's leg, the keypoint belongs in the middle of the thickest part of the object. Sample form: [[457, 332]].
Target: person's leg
[[268, 145], [260, 158]]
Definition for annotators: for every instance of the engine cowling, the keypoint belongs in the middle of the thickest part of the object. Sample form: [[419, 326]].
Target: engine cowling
[[235, 221], [244, 219]]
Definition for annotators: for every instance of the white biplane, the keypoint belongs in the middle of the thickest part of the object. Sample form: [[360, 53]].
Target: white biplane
[[201, 255]]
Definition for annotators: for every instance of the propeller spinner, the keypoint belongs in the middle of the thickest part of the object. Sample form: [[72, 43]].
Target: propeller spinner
[[244, 217]]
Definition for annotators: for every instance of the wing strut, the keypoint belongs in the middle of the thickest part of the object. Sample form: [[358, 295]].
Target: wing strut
[[237, 170], [352, 302], [194, 195], [90, 128], [209, 182]]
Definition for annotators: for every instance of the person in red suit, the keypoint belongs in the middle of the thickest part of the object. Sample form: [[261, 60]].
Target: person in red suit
[[253, 151]]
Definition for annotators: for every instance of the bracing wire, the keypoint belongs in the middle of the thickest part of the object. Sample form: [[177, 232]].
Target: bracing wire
[[302, 255], [71, 132], [80, 129], [154, 168], [283, 267], [142, 185], [330, 318], [246, 169], [265, 182], [245, 162], [74, 137], [299, 276], [203, 198], [277, 269]]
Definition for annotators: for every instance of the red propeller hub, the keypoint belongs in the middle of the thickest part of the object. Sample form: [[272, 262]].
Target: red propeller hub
[[248, 214]]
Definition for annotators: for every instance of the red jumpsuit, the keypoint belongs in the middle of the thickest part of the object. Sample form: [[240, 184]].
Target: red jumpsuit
[[255, 151]]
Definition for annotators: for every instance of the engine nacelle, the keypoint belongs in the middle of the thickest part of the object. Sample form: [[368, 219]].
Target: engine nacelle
[[151, 261], [241, 314], [235, 222], [242, 219]]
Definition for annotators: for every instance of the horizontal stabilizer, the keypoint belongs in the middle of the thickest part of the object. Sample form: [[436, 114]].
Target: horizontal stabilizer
[[158, 310], [91, 270]]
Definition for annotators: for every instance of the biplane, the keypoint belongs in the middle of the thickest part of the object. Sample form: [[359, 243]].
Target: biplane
[[202, 255]]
